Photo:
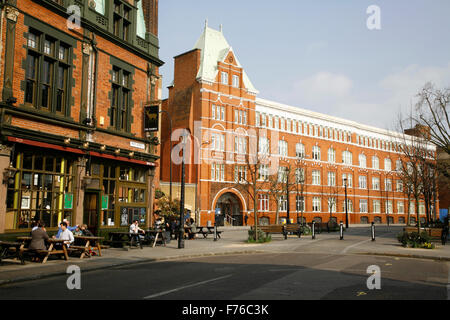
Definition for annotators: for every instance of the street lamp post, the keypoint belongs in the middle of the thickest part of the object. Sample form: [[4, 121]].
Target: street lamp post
[[170, 153], [346, 204], [181, 235], [288, 202]]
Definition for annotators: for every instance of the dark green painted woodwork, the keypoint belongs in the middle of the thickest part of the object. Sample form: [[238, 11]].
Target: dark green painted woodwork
[[147, 48]]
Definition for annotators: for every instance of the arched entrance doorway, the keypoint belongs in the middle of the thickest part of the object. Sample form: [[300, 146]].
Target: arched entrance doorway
[[228, 210]]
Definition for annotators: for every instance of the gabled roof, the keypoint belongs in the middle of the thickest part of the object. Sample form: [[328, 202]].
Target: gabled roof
[[215, 49]]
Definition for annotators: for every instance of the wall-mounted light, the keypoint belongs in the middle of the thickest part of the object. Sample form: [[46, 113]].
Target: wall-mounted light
[[117, 151], [86, 145], [9, 174], [131, 154], [67, 141], [103, 148]]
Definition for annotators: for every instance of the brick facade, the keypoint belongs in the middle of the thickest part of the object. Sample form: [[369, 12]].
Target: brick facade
[[193, 101], [93, 55]]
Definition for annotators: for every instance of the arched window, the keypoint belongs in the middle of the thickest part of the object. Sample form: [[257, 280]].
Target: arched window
[[375, 163], [347, 157], [362, 161], [316, 153], [387, 164], [300, 150], [331, 155]]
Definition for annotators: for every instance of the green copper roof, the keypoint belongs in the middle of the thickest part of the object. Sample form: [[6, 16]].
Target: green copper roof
[[141, 30], [215, 49], [100, 6]]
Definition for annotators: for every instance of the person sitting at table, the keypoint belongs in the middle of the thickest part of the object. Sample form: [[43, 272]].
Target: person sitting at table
[[34, 225], [135, 230], [85, 231], [174, 228], [72, 229], [65, 234], [38, 238], [77, 232], [191, 229]]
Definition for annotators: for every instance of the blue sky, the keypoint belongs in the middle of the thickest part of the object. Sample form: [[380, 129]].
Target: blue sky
[[320, 55]]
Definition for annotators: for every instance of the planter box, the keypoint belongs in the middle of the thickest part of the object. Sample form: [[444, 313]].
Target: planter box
[[434, 233]]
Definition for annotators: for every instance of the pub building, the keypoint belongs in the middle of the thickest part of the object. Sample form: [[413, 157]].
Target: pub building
[[73, 98]]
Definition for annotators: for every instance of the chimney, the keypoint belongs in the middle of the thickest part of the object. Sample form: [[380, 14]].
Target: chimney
[[150, 8]]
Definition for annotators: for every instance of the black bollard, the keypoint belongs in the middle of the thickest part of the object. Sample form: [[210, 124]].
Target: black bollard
[[373, 231], [341, 230], [313, 230], [215, 233]]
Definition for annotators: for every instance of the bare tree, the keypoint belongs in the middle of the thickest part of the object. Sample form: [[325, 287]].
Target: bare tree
[[251, 181], [332, 193], [432, 111], [413, 148], [300, 180], [282, 184]]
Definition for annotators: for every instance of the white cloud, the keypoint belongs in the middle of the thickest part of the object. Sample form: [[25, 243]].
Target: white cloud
[[335, 94]]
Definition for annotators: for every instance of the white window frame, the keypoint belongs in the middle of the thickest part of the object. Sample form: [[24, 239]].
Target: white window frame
[[316, 177], [224, 78]]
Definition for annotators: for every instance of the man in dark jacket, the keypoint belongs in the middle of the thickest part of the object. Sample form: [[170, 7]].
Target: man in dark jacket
[[38, 238]]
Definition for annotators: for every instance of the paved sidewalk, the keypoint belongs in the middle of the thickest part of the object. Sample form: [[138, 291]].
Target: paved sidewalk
[[356, 241]]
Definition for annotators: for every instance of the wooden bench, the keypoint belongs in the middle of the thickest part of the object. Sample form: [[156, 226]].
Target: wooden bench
[[273, 229], [12, 250], [84, 245], [294, 228], [117, 238]]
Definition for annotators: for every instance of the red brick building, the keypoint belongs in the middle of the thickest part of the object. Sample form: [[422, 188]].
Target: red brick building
[[214, 99], [74, 78]]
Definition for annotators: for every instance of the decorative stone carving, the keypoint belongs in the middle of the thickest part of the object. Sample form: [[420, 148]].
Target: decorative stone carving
[[87, 48], [12, 13]]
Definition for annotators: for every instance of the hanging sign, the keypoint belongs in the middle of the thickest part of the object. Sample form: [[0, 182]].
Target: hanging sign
[[151, 118]]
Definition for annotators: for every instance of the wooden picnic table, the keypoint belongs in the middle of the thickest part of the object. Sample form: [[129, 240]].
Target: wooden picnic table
[[156, 233], [85, 248], [11, 250], [53, 249], [208, 231], [124, 238]]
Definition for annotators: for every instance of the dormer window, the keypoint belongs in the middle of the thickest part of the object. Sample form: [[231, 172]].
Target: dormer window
[[122, 20]]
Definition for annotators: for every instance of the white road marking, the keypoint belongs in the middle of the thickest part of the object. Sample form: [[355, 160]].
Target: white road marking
[[354, 245], [185, 287]]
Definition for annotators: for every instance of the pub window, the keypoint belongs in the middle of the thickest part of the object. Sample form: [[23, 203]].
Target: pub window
[[121, 185], [42, 189], [47, 73], [120, 99], [122, 20]]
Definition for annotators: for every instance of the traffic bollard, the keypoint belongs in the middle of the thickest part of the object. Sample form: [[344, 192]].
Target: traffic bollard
[[373, 231], [341, 230], [313, 230], [215, 233]]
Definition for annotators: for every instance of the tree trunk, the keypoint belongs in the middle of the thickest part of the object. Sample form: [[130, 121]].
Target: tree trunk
[[255, 209]]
